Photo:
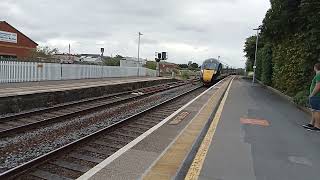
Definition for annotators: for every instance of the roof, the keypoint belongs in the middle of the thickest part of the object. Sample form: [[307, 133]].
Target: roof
[[211, 60], [19, 32]]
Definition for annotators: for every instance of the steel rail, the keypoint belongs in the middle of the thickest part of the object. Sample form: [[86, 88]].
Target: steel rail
[[18, 170], [58, 118]]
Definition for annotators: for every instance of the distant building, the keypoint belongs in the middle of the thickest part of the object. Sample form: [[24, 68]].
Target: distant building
[[13, 43], [132, 62], [90, 58], [66, 58]]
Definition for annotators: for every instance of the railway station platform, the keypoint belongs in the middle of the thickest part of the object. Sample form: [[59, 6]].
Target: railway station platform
[[233, 131], [257, 135], [16, 97]]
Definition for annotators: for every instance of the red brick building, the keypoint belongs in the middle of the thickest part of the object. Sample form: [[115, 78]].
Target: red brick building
[[13, 43]]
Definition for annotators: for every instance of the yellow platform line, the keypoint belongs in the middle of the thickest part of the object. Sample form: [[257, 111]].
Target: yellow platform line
[[196, 166]]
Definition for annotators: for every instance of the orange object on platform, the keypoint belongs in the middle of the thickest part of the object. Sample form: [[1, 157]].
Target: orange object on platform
[[260, 122]]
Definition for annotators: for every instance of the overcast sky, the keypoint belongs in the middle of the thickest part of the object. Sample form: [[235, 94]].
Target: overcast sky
[[187, 29]]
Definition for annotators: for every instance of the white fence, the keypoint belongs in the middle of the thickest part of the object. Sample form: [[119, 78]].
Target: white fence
[[12, 71]]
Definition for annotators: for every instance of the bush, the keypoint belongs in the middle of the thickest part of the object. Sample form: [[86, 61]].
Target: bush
[[151, 65], [301, 98], [291, 71], [266, 74], [185, 75], [109, 61], [259, 65]]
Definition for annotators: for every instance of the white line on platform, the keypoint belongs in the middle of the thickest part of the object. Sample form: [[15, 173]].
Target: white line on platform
[[121, 151]]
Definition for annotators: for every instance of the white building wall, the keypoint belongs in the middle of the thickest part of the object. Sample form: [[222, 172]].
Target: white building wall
[[132, 62]]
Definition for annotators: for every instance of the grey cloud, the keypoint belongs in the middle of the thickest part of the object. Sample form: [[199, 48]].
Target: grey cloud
[[217, 26], [194, 28]]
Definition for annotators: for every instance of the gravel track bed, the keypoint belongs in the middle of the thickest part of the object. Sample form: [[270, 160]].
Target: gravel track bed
[[105, 145], [30, 177], [58, 170], [99, 147], [92, 154], [79, 161], [23, 147]]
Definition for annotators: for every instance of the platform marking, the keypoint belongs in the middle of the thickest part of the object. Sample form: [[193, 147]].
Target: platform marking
[[179, 118], [121, 151], [260, 122], [196, 166]]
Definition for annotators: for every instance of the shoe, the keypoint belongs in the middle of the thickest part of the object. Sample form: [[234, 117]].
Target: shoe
[[314, 129], [307, 126]]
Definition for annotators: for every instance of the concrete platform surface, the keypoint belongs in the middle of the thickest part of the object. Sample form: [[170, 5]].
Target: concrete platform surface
[[259, 137], [13, 89]]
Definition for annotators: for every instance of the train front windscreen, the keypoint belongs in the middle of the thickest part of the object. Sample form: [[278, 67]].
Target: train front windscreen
[[209, 66]]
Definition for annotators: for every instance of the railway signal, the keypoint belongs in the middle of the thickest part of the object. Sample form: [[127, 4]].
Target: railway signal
[[102, 51], [158, 58]]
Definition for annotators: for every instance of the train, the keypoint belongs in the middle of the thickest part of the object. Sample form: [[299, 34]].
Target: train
[[210, 71]]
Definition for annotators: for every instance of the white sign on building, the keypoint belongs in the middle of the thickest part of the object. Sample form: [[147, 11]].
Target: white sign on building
[[8, 37]]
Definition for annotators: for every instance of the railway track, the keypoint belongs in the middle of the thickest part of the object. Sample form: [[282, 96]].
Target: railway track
[[85, 153], [16, 123]]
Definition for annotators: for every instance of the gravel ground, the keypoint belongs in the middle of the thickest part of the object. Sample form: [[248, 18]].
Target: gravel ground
[[24, 147]]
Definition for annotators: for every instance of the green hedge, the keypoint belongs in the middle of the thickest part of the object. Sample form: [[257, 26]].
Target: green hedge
[[289, 46], [291, 66], [259, 65], [301, 98], [266, 74]]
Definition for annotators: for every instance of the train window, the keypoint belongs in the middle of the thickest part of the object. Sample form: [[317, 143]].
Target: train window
[[209, 66]]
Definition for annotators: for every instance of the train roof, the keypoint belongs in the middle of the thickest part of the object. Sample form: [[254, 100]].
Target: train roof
[[211, 60]]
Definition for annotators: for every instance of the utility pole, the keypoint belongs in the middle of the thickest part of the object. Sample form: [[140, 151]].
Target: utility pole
[[255, 56], [139, 52]]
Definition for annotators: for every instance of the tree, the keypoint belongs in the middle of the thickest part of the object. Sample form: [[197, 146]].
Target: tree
[[249, 50], [282, 19], [119, 56], [183, 66], [290, 45], [193, 66], [44, 52]]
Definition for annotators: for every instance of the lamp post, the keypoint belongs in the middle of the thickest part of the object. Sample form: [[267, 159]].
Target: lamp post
[[139, 52], [255, 56]]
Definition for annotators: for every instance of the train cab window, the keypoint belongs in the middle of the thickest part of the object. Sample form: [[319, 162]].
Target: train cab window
[[209, 66]]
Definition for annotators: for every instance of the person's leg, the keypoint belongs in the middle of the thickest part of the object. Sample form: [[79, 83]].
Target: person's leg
[[311, 124], [313, 118], [315, 105], [317, 119]]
